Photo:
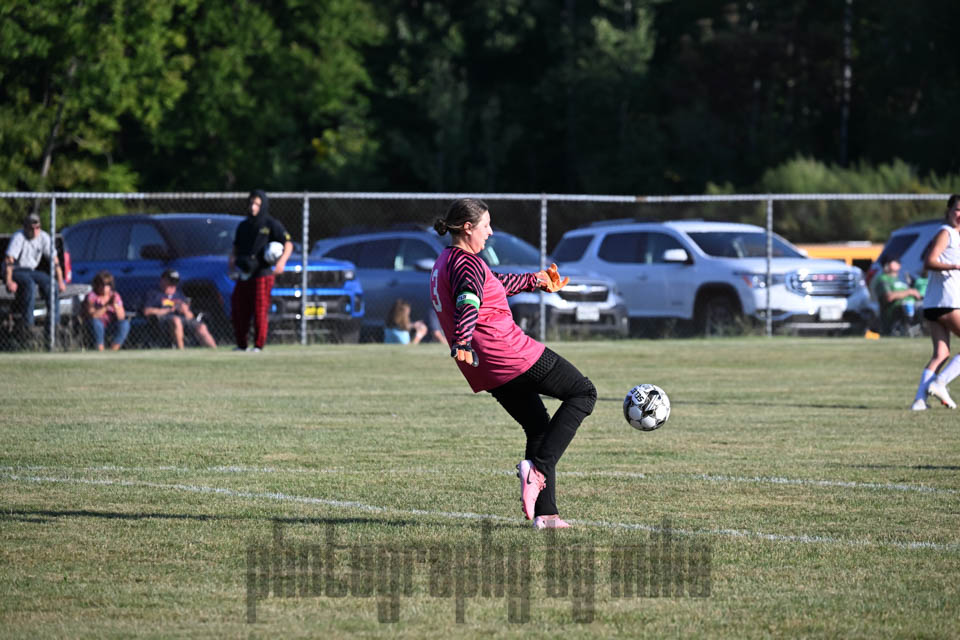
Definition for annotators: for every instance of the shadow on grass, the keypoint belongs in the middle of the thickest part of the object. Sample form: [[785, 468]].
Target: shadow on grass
[[43, 516], [800, 405], [913, 467]]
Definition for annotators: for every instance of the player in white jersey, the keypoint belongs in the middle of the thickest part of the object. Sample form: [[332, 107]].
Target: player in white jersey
[[941, 308]]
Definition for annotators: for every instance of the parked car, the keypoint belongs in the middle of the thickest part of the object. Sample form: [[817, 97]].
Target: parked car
[[137, 248], [714, 273], [396, 263], [907, 245]]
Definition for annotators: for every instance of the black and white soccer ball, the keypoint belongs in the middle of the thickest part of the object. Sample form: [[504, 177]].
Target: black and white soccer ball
[[646, 407], [272, 252]]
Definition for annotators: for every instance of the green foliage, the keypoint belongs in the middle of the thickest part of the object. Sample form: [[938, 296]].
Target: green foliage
[[827, 220], [120, 96], [72, 75], [592, 96], [511, 96], [275, 97]]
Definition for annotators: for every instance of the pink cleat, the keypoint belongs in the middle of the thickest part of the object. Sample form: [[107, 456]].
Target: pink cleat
[[549, 522], [532, 483]]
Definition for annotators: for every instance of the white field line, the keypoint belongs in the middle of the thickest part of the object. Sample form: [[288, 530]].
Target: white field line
[[719, 479], [466, 515]]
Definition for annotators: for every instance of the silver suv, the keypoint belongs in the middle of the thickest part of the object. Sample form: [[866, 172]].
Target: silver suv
[[714, 274], [907, 245], [396, 262]]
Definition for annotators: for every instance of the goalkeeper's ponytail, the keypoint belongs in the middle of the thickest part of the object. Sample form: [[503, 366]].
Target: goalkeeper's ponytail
[[459, 213]]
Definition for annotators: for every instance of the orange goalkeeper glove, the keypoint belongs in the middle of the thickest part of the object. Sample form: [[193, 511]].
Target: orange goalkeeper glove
[[550, 280], [465, 353]]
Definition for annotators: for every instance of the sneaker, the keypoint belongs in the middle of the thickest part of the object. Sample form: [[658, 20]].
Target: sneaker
[[940, 391], [255, 350], [239, 348], [919, 405], [549, 522], [532, 483]]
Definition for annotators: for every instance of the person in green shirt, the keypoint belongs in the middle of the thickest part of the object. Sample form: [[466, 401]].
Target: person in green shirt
[[897, 298]]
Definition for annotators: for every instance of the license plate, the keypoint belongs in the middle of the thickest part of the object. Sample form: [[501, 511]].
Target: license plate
[[831, 313], [587, 314], [316, 311]]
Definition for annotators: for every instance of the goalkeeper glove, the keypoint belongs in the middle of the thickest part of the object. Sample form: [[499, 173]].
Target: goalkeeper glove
[[550, 280], [465, 353]]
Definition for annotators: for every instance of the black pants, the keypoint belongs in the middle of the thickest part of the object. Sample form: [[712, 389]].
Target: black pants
[[547, 438]]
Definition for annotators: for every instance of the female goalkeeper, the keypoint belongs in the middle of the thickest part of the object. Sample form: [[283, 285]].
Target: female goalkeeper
[[495, 355]]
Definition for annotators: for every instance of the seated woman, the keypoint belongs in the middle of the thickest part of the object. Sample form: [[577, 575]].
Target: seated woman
[[399, 329], [105, 314]]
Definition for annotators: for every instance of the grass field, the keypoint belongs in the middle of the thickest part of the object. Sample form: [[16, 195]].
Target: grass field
[[196, 494]]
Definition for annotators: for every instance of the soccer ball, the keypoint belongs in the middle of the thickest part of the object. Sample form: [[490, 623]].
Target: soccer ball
[[646, 407], [272, 252]]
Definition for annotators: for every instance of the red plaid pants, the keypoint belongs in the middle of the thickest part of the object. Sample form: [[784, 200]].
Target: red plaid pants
[[251, 298]]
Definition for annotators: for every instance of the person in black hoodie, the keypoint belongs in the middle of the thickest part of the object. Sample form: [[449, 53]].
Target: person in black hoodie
[[251, 295]]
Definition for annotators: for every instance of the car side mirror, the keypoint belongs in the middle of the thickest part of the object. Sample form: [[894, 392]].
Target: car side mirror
[[154, 252], [677, 255], [423, 264]]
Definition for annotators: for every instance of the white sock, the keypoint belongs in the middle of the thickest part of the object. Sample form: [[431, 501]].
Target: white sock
[[949, 372], [925, 379]]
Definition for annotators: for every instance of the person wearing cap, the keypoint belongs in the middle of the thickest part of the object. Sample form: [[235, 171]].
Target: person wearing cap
[[255, 276], [27, 247], [169, 307]]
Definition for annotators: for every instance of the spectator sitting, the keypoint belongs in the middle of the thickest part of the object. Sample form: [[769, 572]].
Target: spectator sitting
[[168, 307], [436, 332], [399, 328], [105, 313], [21, 273], [897, 299]]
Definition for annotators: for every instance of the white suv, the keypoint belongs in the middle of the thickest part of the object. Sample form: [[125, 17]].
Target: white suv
[[713, 273]]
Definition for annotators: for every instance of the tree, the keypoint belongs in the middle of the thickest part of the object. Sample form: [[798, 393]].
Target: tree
[[274, 98], [511, 95], [70, 74]]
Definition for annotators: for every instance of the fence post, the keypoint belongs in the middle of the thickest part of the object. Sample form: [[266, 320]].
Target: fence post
[[543, 265], [767, 316], [53, 302], [304, 250]]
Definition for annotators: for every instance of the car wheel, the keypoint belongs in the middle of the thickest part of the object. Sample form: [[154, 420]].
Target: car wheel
[[347, 333], [719, 316], [529, 323]]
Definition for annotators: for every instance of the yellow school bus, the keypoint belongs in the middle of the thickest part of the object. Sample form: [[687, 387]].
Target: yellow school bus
[[859, 254]]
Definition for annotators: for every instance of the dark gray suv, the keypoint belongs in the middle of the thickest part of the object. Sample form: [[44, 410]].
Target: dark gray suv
[[395, 263]]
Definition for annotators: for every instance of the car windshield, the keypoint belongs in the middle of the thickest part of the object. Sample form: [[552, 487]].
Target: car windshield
[[897, 246], [742, 244], [201, 236], [505, 249]]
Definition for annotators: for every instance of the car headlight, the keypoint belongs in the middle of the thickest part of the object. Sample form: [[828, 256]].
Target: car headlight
[[348, 274], [759, 280]]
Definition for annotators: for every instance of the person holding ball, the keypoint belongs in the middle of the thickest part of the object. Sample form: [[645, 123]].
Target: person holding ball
[[255, 277]]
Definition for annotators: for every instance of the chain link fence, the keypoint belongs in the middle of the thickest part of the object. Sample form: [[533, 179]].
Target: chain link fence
[[136, 237]]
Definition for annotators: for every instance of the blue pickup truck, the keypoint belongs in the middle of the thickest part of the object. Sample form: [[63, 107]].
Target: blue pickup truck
[[137, 248]]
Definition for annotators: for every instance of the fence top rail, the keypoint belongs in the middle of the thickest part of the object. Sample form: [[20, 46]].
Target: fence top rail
[[556, 197]]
